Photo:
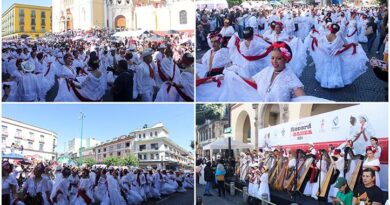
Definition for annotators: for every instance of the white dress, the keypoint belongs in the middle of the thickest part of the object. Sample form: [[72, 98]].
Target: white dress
[[281, 89], [6, 186], [264, 186], [133, 197], [92, 88], [257, 47], [373, 163], [62, 192], [219, 60], [321, 175], [167, 187], [86, 184], [201, 178]]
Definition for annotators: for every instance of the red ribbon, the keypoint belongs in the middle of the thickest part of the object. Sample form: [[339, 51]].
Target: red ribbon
[[352, 33], [250, 83], [346, 47], [85, 197], [78, 94], [48, 69], [151, 72], [314, 42], [181, 93], [203, 80], [162, 74], [252, 58], [315, 31]]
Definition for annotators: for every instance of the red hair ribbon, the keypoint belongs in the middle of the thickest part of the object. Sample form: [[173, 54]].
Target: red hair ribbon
[[373, 149], [286, 54]]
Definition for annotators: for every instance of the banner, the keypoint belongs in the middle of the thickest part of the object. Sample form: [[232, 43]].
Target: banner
[[328, 127]]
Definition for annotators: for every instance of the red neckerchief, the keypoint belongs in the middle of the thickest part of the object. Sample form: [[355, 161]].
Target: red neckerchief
[[252, 58], [151, 72], [162, 74]]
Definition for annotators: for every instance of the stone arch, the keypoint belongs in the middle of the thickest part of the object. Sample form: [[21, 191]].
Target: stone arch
[[243, 128], [272, 114]]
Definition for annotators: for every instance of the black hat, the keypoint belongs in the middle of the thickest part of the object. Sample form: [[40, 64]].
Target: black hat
[[248, 32]]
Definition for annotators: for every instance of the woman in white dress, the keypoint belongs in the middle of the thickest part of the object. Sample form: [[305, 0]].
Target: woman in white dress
[[337, 64], [264, 186], [322, 168], [253, 180], [9, 183], [372, 163], [352, 30], [133, 197], [153, 190], [201, 177], [60, 194], [166, 187], [85, 190], [36, 188]]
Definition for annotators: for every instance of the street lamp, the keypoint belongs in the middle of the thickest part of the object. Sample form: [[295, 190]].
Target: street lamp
[[81, 137]]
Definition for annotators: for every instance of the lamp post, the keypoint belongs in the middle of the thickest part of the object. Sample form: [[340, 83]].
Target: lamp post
[[81, 137]]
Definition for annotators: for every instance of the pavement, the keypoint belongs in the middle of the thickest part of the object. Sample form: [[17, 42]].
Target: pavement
[[366, 88], [216, 200], [186, 198]]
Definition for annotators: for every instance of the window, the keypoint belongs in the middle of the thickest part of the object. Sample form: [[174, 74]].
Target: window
[[110, 148], [118, 153], [41, 146], [127, 144], [144, 135], [157, 156], [152, 156], [154, 146], [30, 145], [31, 136], [118, 146], [145, 156], [104, 149], [98, 150], [155, 133], [139, 156], [32, 28], [18, 133], [33, 21], [142, 147], [43, 14], [151, 134], [4, 129], [139, 136], [104, 155], [21, 12], [183, 17], [42, 138], [32, 13]]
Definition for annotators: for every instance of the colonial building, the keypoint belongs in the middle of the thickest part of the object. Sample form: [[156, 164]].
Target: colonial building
[[73, 14], [123, 14], [119, 146], [35, 141], [22, 20], [209, 132], [154, 148]]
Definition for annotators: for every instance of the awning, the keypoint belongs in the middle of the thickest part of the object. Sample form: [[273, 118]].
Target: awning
[[222, 143]]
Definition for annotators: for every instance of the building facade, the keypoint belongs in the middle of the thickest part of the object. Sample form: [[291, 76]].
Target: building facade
[[22, 20], [73, 14], [154, 149], [119, 146], [36, 142], [74, 145], [246, 119], [209, 132], [123, 14]]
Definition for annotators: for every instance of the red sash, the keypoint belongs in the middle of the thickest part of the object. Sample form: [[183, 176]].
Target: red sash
[[78, 94], [346, 47], [314, 42], [250, 83], [162, 74], [85, 197], [203, 80], [48, 69], [352, 33], [181, 93], [252, 58], [151, 72]]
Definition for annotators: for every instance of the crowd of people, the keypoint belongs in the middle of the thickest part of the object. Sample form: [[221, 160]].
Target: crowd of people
[[259, 54], [350, 171], [92, 66], [43, 184]]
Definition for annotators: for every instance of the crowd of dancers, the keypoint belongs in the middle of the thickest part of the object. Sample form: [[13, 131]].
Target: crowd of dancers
[[94, 66], [41, 184], [259, 54]]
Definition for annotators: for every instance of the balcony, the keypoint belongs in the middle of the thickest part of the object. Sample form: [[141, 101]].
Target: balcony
[[30, 139], [42, 140], [18, 137]]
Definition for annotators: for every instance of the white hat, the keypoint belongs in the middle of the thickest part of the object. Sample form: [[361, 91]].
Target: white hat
[[28, 66], [255, 165], [147, 52]]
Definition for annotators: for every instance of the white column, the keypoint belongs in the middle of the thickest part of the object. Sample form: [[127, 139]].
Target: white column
[[105, 13], [110, 17]]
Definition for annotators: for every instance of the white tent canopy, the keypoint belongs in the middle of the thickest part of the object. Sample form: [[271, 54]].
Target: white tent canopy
[[222, 143], [129, 33]]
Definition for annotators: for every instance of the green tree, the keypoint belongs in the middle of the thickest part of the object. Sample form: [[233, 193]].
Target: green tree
[[89, 161], [130, 160], [209, 112], [112, 161], [234, 2]]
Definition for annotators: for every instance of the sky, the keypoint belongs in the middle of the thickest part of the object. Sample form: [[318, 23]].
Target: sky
[[5, 4], [105, 121]]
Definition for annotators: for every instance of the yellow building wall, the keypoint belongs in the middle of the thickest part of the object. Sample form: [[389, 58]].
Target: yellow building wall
[[98, 10], [27, 20]]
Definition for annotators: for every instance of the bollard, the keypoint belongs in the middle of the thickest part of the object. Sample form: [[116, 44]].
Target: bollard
[[199, 200], [232, 189], [245, 193], [264, 198]]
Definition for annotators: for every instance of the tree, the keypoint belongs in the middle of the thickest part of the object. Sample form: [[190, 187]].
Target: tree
[[112, 161], [89, 161], [234, 2], [209, 112], [130, 160]]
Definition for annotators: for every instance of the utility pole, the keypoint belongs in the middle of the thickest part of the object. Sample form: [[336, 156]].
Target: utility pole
[[81, 137]]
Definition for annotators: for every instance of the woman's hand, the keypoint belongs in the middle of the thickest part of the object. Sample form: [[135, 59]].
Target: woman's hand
[[299, 92]]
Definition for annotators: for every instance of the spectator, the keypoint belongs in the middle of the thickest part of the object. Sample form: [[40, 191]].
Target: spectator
[[220, 178], [208, 176], [123, 85], [368, 192], [344, 195]]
